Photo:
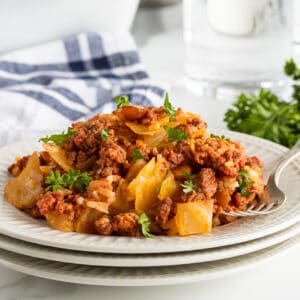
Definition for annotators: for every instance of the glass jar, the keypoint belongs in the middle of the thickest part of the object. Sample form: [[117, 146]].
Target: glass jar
[[237, 43]]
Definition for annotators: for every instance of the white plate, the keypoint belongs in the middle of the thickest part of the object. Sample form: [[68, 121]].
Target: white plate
[[144, 260], [139, 276], [16, 224]]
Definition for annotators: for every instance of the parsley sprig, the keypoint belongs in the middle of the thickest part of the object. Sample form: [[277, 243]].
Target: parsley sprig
[[175, 134], [266, 115], [72, 179], [104, 134], [244, 182], [169, 108], [222, 137], [136, 155], [145, 223], [58, 139], [188, 185], [187, 175], [122, 100]]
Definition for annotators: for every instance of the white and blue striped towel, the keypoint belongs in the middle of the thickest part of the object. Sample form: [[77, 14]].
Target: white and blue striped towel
[[48, 86]]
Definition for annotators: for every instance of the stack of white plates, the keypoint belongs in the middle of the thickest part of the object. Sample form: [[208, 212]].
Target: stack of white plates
[[31, 246]]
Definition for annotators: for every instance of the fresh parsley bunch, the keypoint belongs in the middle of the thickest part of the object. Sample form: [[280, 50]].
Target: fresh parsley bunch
[[266, 115]]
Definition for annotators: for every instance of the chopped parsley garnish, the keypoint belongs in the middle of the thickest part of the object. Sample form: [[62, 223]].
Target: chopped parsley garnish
[[187, 175], [169, 108], [104, 134], [54, 181], [175, 134], [188, 186], [222, 137], [136, 155], [72, 179], [58, 139], [145, 223], [122, 100], [244, 182]]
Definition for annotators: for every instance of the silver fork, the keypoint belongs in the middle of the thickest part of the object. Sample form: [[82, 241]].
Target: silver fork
[[272, 192]]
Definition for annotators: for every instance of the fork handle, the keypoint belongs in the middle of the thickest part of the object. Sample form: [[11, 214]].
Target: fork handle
[[287, 158]]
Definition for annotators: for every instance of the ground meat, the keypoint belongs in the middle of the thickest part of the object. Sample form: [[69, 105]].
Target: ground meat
[[58, 203], [125, 224], [189, 197], [71, 156], [16, 168], [87, 137], [81, 157], [111, 151], [142, 147], [193, 127], [254, 162], [225, 156], [152, 114], [241, 202], [164, 211], [111, 156], [130, 113], [207, 182], [172, 156], [103, 225], [33, 212], [176, 154], [142, 115]]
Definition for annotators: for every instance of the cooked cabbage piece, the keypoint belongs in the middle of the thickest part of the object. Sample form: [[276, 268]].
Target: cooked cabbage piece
[[22, 191]]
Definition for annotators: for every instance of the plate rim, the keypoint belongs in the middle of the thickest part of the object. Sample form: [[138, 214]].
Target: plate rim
[[144, 260], [187, 274], [182, 247]]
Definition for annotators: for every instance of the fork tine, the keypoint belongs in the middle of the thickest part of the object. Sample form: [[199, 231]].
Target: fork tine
[[238, 214], [252, 206], [268, 207], [231, 214], [260, 207]]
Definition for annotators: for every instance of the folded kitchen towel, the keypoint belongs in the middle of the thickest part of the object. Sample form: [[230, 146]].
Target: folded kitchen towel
[[51, 85]]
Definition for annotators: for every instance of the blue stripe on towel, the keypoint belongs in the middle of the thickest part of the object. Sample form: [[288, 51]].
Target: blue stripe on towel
[[111, 66], [53, 103], [67, 93]]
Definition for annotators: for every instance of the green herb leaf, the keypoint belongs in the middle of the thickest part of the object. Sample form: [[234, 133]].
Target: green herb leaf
[[187, 175], [169, 108], [188, 186], [244, 182], [122, 100], [82, 182], [145, 223], [72, 179], [265, 115], [175, 134], [54, 181], [104, 134], [58, 139], [222, 137], [291, 69], [136, 155]]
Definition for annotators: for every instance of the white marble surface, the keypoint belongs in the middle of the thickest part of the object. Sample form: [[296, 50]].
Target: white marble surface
[[158, 35]]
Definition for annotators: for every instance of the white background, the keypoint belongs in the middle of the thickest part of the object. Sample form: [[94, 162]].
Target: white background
[[158, 34]]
